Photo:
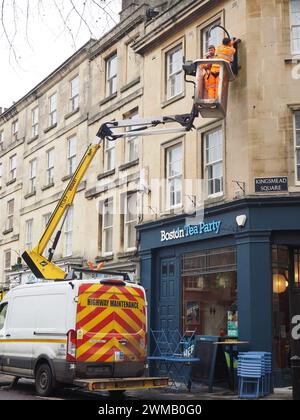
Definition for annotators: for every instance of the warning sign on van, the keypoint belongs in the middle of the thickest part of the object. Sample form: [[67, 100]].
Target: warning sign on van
[[113, 303]]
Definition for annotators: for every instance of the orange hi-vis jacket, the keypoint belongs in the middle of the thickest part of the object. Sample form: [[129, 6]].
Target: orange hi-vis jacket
[[225, 52], [211, 86]]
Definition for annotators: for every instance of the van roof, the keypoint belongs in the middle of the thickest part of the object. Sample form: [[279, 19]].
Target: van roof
[[66, 283]]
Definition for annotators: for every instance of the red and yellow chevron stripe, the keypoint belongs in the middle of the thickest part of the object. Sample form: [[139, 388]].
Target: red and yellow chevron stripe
[[110, 324]]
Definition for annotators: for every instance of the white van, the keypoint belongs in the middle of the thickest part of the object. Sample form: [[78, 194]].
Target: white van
[[60, 331]]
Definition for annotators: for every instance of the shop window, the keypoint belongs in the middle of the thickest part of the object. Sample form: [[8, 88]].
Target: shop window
[[297, 268], [281, 315], [210, 292]]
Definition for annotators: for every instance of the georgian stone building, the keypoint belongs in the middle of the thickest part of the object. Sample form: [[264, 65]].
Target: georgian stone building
[[241, 279]]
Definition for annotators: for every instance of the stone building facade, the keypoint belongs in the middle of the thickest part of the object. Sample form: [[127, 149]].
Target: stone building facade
[[149, 182]]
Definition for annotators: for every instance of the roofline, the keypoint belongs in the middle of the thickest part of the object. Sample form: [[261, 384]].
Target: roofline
[[33, 91]]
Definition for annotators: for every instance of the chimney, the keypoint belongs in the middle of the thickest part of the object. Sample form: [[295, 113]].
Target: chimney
[[129, 6]]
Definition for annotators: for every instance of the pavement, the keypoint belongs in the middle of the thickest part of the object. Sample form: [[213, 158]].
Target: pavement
[[200, 392], [25, 390]]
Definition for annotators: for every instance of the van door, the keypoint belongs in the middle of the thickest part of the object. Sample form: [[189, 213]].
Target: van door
[[111, 323], [3, 312], [18, 358]]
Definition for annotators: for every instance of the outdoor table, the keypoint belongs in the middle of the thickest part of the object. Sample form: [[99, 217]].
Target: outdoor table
[[231, 344]]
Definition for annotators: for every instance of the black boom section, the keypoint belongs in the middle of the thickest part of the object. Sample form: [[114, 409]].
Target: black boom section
[[32, 265]]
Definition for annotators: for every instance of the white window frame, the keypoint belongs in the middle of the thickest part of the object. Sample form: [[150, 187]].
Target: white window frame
[[28, 233], [111, 78], [35, 122], [72, 155], [13, 167], [215, 39], [32, 175], [10, 214], [213, 163], [5, 253], [15, 130], [110, 155], [173, 75], [172, 178], [130, 220], [68, 243], [53, 110], [74, 94], [292, 26], [46, 218], [107, 228], [1, 140], [132, 143], [296, 116], [50, 167]]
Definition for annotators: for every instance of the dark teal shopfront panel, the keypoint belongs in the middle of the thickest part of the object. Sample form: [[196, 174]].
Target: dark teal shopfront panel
[[168, 295]]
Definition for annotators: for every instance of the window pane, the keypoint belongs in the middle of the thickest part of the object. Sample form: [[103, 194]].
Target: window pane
[[215, 38], [295, 9], [112, 66], [297, 119], [75, 87], [72, 147]]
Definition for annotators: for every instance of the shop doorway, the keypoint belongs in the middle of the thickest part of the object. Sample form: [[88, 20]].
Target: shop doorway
[[168, 295]]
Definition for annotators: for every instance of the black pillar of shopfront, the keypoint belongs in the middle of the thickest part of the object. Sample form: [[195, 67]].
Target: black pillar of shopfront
[[254, 272], [146, 275]]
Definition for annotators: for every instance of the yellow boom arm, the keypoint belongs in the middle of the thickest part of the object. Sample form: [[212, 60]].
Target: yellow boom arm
[[39, 265], [43, 267]]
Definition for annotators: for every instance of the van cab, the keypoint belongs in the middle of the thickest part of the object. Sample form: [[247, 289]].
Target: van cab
[[60, 331]]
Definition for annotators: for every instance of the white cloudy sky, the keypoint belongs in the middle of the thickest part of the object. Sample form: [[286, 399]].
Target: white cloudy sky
[[33, 47]]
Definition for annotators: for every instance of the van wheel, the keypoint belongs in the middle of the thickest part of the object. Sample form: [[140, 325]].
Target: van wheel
[[44, 380]]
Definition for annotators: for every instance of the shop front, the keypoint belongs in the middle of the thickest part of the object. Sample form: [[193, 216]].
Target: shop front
[[220, 277]]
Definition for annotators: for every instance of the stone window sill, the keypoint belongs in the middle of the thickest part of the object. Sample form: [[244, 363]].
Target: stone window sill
[[50, 128], [31, 194], [66, 178], [127, 254], [104, 258], [46, 187], [292, 60], [33, 139], [129, 165], [108, 99], [106, 174], [130, 84], [70, 114], [11, 182], [172, 100], [6, 232]]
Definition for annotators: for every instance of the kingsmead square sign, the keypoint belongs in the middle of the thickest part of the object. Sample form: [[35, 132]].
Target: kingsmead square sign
[[190, 230]]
